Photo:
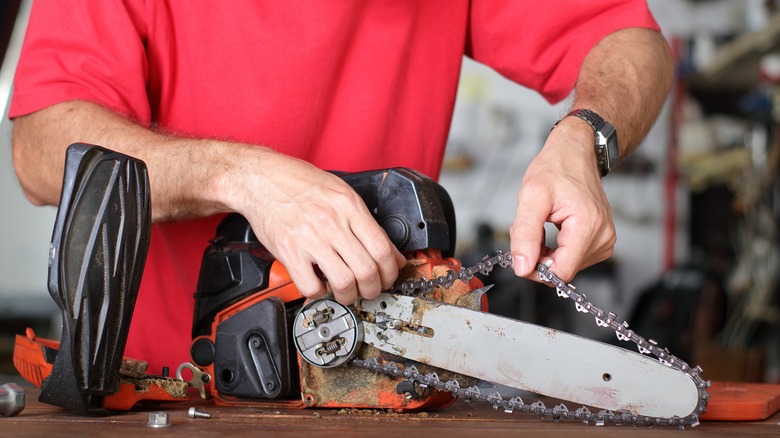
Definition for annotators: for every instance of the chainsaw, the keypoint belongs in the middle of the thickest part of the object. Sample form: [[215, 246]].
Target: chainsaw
[[422, 343], [255, 341]]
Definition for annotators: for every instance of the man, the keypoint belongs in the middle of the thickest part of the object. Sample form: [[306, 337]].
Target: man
[[241, 106]]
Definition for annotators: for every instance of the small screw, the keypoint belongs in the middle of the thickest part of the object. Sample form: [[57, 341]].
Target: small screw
[[194, 413]]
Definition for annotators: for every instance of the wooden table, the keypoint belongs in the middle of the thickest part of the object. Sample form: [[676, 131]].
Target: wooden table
[[460, 420]]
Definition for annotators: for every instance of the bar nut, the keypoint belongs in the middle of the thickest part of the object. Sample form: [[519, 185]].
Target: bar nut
[[11, 399]]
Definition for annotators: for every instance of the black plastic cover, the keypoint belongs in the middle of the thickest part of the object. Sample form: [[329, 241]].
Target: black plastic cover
[[234, 266], [253, 357], [415, 211], [98, 250]]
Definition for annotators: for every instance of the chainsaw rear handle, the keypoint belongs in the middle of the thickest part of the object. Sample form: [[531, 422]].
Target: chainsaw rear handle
[[97, 254], [415, 211]]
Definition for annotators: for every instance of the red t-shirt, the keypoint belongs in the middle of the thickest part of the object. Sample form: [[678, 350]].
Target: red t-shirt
[[348, 85]]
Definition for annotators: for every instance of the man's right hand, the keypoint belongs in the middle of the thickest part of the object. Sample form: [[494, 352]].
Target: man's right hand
[[311, 220]]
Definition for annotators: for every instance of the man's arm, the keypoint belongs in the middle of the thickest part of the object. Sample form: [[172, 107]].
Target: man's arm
[[303, 215], [625, 78]]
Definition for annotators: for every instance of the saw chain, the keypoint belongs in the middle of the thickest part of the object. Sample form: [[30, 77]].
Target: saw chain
[[423, 287]]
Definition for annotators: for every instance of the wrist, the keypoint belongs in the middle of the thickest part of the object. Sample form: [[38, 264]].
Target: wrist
[[605, 141], [571, 143], [234, 174]]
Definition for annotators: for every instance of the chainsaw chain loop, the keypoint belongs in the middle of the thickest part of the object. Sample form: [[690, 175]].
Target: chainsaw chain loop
[[423, 287]]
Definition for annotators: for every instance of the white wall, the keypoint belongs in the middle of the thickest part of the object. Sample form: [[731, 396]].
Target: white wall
[[25, 230]]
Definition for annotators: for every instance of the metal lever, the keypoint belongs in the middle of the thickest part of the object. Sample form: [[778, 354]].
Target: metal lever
[[199, 378]]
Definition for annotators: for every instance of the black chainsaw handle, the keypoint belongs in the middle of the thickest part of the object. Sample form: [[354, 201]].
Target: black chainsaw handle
[[96, 259], [415, 212]]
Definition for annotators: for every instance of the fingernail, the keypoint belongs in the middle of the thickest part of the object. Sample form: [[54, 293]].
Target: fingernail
[[522, 266]]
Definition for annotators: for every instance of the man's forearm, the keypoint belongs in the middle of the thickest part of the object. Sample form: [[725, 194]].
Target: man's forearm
[[303, 215], [40, 140], [625, 78]]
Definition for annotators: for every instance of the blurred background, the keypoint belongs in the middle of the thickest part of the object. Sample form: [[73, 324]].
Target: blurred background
[[696, 207]]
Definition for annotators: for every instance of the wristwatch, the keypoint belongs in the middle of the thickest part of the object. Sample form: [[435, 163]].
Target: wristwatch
[[606, 139]]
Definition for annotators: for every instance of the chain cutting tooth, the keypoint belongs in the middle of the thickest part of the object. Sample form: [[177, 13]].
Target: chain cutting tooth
[[472, 393], [495, 399], [517, 402], [599, 316], [452, 386], [608, 415], [582, 413], [582, 304], [619, 332], [505, 259], [641, 346], [538, 408], [394, 370], [559, 411], [428, 379]]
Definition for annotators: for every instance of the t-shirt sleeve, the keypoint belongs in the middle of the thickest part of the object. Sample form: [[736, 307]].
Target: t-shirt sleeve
[[83, 50], [541, 44]]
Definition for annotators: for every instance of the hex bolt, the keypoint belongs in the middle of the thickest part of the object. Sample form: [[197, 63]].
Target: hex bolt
[[158, 420], [194, 413], [11, 399]]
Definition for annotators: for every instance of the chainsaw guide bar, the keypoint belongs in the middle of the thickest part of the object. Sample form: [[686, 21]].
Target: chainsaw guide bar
[[319, 338]]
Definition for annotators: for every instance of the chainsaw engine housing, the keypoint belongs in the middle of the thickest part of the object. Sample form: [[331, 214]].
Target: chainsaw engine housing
[[245, 304]]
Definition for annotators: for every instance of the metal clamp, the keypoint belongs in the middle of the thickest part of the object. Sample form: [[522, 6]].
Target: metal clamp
[[199, 378]]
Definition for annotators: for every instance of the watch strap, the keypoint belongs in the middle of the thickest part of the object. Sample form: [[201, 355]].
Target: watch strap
[[597, 123]]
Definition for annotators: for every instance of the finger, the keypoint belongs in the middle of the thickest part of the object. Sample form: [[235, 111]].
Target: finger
[[544, 255], [340, 277], [364, 278], [388, 260], [567, 257], [579, 246], [305, 278], [527, 231]]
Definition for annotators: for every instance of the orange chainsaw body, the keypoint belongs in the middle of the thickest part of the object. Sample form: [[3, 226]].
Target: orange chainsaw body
[[34, 357], [345, 386], [245, 305]]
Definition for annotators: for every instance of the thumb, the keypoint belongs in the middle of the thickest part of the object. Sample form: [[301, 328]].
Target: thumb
[[527, 232]]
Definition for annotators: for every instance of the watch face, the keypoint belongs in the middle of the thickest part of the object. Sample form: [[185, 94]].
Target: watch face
[[611, 151], [607, 151]]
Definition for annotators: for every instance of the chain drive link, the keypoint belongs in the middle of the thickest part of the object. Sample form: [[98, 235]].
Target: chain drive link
[[422, 287]]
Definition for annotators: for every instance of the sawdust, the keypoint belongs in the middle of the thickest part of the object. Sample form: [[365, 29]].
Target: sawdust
[[367, 412], [142, 382], [382, 413]]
